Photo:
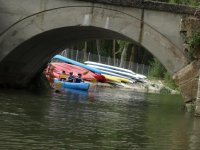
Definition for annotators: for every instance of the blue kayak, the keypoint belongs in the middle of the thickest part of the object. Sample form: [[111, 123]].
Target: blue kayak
[[73, 62], [70, 85]]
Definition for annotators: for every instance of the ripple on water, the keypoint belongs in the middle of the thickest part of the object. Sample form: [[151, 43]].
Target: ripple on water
[[100, 119]]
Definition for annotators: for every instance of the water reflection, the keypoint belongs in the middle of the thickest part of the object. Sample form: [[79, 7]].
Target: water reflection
[[71, 94], [101, 118]]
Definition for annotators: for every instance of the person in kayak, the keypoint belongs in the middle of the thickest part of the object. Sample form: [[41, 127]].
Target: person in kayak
[[78, 79], [71, 77], [63, 76]]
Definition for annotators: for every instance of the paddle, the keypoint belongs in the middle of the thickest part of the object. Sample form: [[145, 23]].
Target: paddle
[[93, 80], [86, 72]]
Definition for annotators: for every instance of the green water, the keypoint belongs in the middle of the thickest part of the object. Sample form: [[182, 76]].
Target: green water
[[103, 119]]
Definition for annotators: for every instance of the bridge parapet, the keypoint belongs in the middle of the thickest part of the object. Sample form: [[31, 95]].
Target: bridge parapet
[[152, 5]]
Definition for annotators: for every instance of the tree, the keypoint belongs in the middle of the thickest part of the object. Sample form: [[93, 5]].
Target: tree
[[98, 49], [131, 59], [113, 50], [123, 46], [85, 51]]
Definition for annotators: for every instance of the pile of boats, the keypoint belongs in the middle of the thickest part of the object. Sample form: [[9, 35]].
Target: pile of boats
[[116, 73], [91, 72]]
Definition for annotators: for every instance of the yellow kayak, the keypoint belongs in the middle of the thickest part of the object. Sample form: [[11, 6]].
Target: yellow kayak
[[116, 79]]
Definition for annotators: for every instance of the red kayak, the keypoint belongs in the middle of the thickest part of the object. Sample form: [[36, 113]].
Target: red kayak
[[56, 68]]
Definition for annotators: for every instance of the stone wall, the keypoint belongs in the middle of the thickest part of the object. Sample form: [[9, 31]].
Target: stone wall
[[187, 78], [189, 26]]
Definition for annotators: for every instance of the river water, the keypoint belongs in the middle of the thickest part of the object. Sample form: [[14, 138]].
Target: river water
[[101, 119]]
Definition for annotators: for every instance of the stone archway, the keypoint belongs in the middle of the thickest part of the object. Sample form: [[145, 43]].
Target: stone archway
[[36, 38]]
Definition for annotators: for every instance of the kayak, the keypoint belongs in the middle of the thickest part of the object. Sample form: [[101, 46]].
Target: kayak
[[117, 79], [73, 62], [115, 72], [60, 85], [115, 69], [54, 69], [109, 67]]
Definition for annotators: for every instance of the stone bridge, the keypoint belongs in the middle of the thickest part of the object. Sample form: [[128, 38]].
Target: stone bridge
[[32, 32]]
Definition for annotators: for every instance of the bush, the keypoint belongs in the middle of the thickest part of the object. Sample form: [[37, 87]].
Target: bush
[[183, 2], [169, 81], [194, 44], [157, 70]]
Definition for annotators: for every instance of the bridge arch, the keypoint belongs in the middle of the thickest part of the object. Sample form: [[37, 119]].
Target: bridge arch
[[30, 43]]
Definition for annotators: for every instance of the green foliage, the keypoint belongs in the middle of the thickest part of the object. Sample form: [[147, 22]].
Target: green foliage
[[183, 2], [122, 44], [169, 81], [157, 70], [194, 41], [194, 45], [186, 2]]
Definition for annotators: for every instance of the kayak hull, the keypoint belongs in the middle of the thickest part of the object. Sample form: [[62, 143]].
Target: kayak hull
[[70, 61], [117, 79], [59, 85], [116, 71], [55, 68]]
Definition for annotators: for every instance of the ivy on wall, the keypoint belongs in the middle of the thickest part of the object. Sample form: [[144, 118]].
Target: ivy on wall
[[194, 45]]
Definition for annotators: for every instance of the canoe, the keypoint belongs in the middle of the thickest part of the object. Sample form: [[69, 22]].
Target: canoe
[[115, 69], [109, 66], [117, 79], [73, 62], [109, 71], [60, 85], [111, 79], [115, 75], [116, 72]]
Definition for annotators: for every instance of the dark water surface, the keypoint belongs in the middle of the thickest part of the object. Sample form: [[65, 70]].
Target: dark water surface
[[103, 118]]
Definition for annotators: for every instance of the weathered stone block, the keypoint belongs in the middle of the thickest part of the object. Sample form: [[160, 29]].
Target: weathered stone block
[[189, 89], [187, 80], [188, 73]]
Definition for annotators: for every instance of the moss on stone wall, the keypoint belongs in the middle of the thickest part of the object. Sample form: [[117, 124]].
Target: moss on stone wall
[[190, 31]]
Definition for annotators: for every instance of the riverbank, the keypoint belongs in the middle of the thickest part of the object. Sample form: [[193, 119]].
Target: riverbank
[[151, 86]]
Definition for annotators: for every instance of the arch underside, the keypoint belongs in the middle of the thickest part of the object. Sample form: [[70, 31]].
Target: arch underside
[[29, 44]]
